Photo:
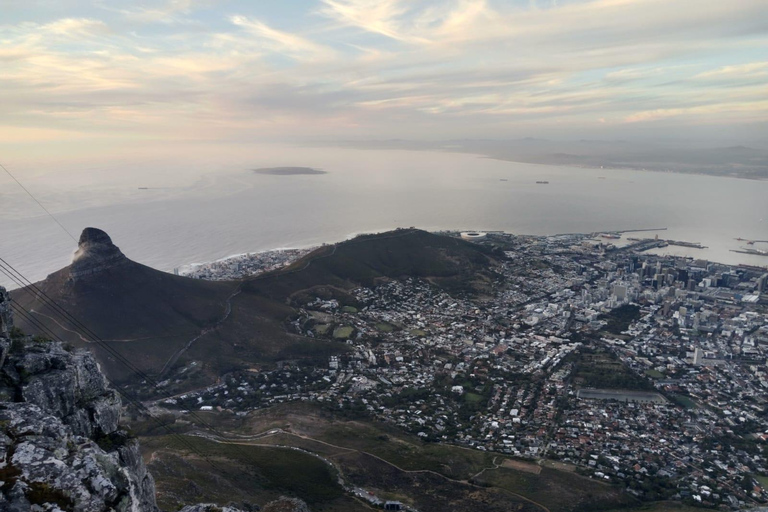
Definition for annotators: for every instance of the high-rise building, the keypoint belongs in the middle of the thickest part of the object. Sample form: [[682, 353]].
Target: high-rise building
[[762, 284], [698, 357]]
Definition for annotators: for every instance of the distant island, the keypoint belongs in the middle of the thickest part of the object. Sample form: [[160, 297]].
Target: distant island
[[288, 171]]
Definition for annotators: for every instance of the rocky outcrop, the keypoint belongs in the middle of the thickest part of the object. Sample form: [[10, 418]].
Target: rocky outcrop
[[60, 445], [95, 253], [286, 504], [6, 320], [283, 504], [66, 385]]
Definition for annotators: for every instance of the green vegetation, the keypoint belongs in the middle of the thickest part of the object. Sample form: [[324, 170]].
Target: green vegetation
[[349, 309], [418, 332], [384, 327], [558, 490], [375, 456], [654, 374], [684, 401], [40, 493], [113, 441], [620, 318], [343, 332], [243, 472], [405, 451], [472, 398], [600, 368], [661, 506]]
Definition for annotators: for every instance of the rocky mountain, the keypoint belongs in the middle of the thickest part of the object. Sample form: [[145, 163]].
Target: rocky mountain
[[6, 319], [188, 332], [95, 254], [139, 312], [61, 445]]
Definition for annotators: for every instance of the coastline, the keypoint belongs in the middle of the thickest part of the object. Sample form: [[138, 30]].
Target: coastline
[[588, 236], [619, 168]]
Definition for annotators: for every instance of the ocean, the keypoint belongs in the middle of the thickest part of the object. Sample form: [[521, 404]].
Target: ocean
[[196, 206]]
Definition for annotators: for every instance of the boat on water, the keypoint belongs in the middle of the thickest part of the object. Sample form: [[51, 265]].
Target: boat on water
[[542, 182], [610, 236]]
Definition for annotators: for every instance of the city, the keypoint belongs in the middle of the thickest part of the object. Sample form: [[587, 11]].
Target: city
[[646, 371]]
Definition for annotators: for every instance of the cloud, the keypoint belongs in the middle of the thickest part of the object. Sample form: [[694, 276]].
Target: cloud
[[166, 12], [756, 109], [282, 42], [469, 68], [75, 27], [383, 17], [741, 71]]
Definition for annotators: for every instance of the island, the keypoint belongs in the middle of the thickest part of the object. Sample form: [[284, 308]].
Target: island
[[288, 171]]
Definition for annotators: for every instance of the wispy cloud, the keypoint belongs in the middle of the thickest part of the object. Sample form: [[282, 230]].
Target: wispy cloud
[[383, 17], [749, 70], [383, 68], [282, 42], [163, 11]]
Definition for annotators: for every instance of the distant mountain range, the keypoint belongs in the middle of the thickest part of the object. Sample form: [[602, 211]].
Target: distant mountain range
[[737, 161], [163, 322]]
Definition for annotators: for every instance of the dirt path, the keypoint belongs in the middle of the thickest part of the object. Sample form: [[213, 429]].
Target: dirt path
[[227, 311]]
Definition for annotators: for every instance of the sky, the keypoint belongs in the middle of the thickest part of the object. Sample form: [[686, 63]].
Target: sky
[[83, 77]]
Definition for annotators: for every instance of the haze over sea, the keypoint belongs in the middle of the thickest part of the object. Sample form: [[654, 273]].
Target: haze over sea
[[167, 211]]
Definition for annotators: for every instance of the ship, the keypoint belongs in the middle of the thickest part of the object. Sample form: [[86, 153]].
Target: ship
[[542, 182], [610, 236]]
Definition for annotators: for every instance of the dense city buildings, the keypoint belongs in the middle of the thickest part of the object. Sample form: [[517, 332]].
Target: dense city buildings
[[640, 370]]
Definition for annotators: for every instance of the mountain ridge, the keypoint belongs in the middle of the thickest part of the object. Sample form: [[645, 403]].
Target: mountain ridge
[[162, 322]]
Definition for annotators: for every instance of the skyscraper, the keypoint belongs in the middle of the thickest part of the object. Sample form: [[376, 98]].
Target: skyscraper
[[762, 283]]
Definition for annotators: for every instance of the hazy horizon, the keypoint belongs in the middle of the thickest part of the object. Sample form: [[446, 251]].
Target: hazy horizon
[[86, 79]]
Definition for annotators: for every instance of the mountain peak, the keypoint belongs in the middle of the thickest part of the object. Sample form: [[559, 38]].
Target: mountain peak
[[94, 236], [95, 253]]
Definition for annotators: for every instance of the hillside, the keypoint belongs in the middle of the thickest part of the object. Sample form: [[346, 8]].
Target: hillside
[[144, 314], [62, 442], [161, 321]]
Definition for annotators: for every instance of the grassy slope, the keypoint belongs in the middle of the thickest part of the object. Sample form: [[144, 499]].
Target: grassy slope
[[429, 476], [559, 490], [364, 259], [158, 312], [235, 473], [256, 330]]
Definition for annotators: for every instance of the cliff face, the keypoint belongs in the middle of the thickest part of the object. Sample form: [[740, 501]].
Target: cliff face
[[60, 446], [6, 320], [95, 253]]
